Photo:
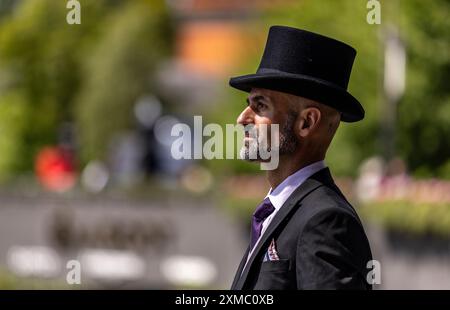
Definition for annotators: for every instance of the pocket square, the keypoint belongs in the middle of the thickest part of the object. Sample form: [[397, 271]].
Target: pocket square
[[271, 254]]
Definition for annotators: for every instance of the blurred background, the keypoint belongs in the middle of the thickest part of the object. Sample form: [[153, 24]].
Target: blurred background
[[86, 111]]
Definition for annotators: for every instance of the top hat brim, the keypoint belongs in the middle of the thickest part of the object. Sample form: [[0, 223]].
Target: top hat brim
[[304, 86]]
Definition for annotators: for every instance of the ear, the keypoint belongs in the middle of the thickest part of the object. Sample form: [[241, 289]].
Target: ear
[[309, 121]]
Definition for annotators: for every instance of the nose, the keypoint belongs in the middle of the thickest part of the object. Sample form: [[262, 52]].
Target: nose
[[246, 117]]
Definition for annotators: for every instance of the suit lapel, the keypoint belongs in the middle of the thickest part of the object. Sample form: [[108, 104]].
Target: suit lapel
[[241, 266], [312, 183]]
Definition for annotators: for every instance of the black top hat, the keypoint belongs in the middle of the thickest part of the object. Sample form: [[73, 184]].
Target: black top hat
[[309, 65]]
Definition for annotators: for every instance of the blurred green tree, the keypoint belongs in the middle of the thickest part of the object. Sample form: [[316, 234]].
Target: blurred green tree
[[52, 72], [118, 70], [424, 111]]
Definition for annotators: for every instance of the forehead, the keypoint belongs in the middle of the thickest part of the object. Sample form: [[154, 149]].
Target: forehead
[[277, 98], [262, 92], [281, 98], [268, 94]]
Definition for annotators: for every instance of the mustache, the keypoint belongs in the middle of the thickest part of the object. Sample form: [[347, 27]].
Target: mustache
[[251, 131]]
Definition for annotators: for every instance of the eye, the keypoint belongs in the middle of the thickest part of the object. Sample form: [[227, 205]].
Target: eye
[[260, 106]]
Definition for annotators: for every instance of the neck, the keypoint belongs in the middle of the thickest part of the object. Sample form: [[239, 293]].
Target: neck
[[288, 165]]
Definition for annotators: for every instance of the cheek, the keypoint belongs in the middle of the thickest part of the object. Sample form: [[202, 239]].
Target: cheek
[[264, 126], [265, 116], [297, 126]]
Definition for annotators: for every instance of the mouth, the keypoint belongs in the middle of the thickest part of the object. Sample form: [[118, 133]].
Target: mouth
[[248, 138]]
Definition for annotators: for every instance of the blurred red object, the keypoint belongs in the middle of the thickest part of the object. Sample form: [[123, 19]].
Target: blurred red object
[[55, 169]]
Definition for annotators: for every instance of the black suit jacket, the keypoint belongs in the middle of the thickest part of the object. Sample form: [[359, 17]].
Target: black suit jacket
[[319, 239]]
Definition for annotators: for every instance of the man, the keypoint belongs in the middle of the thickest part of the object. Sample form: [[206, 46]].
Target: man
[[305, 234]]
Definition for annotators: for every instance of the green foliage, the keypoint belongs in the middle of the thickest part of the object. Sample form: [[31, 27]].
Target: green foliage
[[27, 66], [239, 208], [415, 218], [13, 110], [52, 72], [10, 281], [118, 70], [424, 112]]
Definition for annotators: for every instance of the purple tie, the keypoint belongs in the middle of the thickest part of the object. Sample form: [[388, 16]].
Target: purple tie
[[261, 213]]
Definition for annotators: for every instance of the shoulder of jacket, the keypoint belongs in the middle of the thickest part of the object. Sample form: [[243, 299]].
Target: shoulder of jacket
[[325, 200]]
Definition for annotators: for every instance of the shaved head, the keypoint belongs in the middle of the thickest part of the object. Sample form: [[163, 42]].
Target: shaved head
[[330, 118]]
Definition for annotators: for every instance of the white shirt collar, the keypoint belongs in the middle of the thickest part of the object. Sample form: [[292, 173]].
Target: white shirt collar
[[281, 193]]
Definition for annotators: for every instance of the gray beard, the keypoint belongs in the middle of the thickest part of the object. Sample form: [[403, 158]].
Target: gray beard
[[250, 151]]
